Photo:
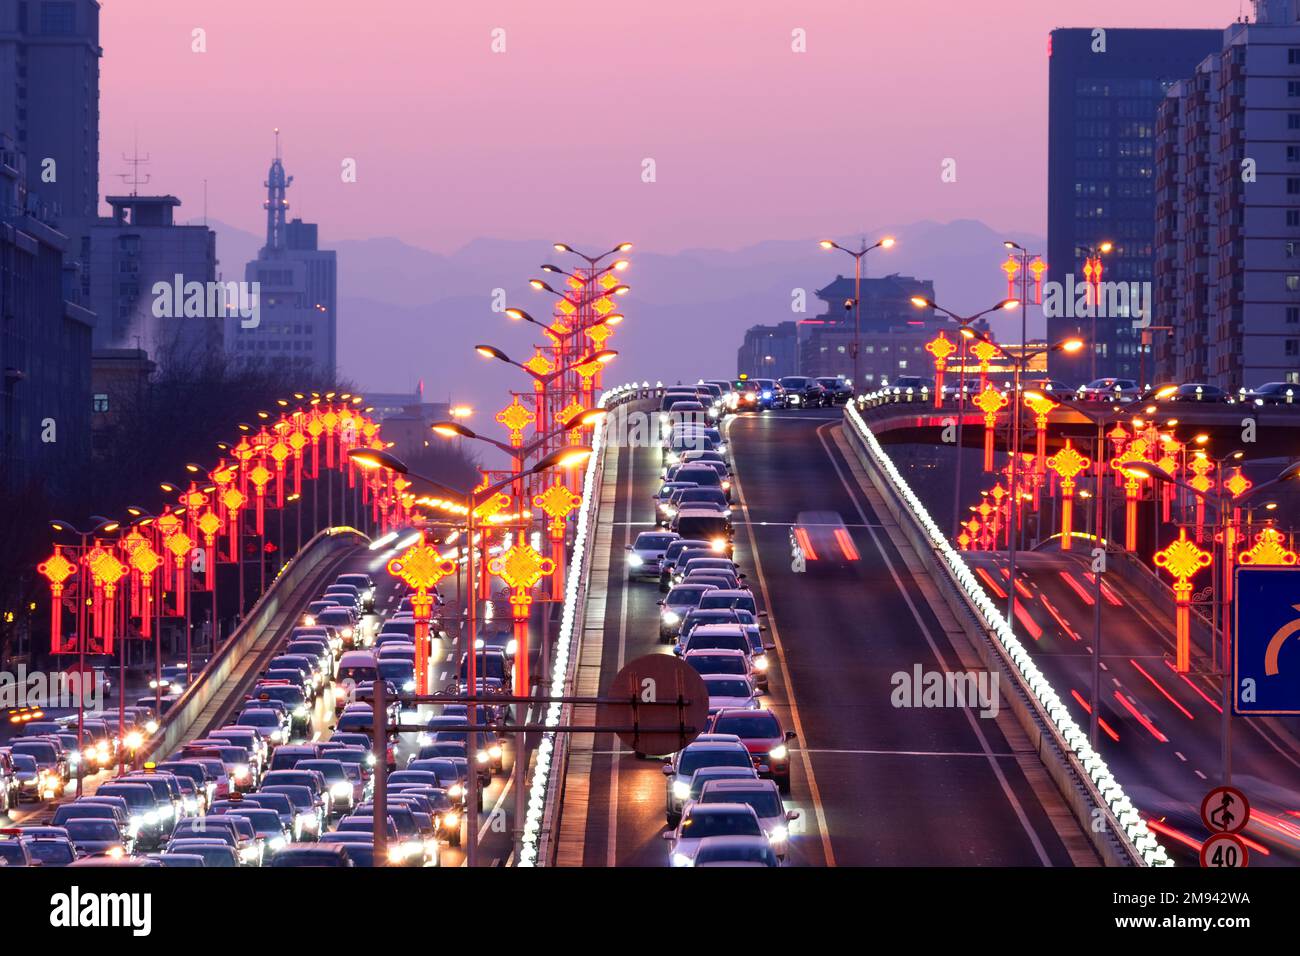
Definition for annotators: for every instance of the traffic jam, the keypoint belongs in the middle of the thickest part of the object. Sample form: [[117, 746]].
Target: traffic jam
[[725, 792], [287, 779]]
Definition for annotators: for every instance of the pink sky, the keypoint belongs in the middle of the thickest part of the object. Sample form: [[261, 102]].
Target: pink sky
[[454, 142]]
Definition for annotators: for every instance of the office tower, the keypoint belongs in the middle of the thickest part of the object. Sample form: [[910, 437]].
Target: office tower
[[1104, 87], [298, 294], [1228, 236]]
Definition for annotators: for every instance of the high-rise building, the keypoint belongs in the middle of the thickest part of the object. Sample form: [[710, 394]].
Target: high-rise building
[[139, 256], [44, 347], [769, 351], [49, 103], [1228, 235], [298, 294], [1104, 88]]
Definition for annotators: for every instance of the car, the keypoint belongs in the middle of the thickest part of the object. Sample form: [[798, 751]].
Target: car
[[272, 723], [14, 851], [1110, 389], [912, 387], [747, 391], [1272, 393], [730, 692], [171, 679], [363, 583], [308, 818], [763, 736], [694, 495], [707, 750], [680, 601], [646, 552], [803, 392], [770, 395], [27, 780], [1199, 392], [267, 827], [838, 390], [214, 852], [702, 522], [702, 820], [151, 818], [735, 851], [673, 552], [178, 859], [345, 621], [8, 782], [51, 764], [83, 809], [717, 661], [342, 791], [764, 798], [314, 855], [49, 846], [820, 539]]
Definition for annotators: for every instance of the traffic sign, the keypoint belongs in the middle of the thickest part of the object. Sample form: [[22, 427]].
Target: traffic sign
[[1224, 851], [1225, 810], [1266, 649], [659, 681]]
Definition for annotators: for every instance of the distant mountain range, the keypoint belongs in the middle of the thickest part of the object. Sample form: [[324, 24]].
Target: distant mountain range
[[408, 314]]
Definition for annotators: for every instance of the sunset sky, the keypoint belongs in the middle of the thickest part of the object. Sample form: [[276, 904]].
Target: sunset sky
[[751, 141]]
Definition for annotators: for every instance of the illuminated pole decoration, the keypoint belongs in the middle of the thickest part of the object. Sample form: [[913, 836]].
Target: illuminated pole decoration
[[1135, 452], [180, 545], [990, 401], [1182, 559], [1012, 268], [984, 351], [1237, 486], [105, 572], [421, 567], [57, 569], [1170, 453], [1067, 464], [1268, 551], [557, 501], [940, 348], [260, 476], [1041, 406], [521, 567], [144, 560], [1200, 467], [209, 525]]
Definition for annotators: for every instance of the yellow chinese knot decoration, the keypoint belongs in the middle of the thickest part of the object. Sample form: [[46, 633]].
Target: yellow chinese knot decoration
[[516, 418], [1041, 406], [1182, 559], [57, 569], [1268, 551], [984, 351], [1068, 465], [990, 401], [940, 347], [521, 567], [144, 560], [421, 567]]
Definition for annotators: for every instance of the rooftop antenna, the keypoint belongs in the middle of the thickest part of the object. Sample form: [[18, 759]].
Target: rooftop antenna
[[134, 178]]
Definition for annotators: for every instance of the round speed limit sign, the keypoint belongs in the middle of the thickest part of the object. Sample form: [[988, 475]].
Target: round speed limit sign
[[1224, 851]]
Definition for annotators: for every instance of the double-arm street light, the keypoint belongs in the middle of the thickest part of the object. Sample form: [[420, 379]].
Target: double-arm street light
[[1224, 503], [592, 261], [963, 323], [886, 243], [562, 458]]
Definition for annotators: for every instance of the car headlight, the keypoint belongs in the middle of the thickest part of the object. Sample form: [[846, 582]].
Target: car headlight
[[301, 711], [151, 818], [307, 821], [779, 834], [482, 756], [760, 662], [396, 855], [635, 560], [681, 790], [370, 759], [308, 620], [670, 618], [408, 686], [512, 647], [681, 859], [191, 804], [248, 853], [451, 818], [722, 449], [495, 751], [276, 843], [341, 791], [134, 824], [276, 736], [348, 632], [778, 752], [151, 726], [241, 773], [455, 791], [726, 484]]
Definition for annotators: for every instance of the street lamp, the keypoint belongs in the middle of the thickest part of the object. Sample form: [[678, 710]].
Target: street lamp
[[963, 322], [560, 458], [604, 356], [886, 243], [1092, 274], [591, 260]]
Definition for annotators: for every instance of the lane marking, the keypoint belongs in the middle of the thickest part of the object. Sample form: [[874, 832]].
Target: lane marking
[[1012, 799], [804, 756]]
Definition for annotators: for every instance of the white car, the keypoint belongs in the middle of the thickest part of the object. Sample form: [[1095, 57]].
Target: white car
[[703, 820], [645, 554], [764, 798], [735, 851], [730, 691]]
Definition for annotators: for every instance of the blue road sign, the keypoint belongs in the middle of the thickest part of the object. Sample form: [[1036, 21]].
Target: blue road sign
[[1266, 657]]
